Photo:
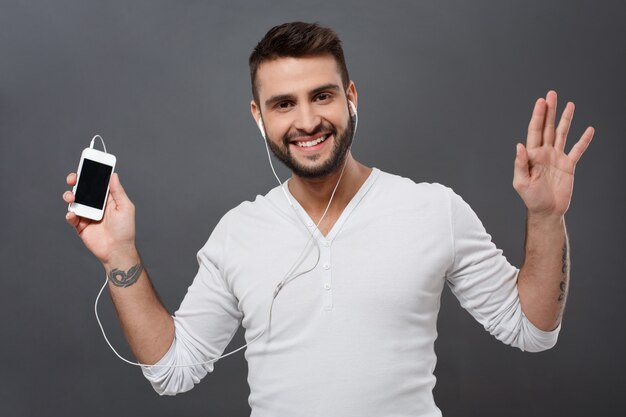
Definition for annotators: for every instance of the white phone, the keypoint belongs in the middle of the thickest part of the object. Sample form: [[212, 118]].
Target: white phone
[[92, 184]]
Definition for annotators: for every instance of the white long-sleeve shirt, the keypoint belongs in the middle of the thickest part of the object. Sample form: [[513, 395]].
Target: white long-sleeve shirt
[[355, 335]]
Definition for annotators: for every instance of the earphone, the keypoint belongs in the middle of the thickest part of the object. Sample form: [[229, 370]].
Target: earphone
[[353, 108]]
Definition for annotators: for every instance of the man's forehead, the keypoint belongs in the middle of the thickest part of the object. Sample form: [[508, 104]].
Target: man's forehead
[[290, 75]]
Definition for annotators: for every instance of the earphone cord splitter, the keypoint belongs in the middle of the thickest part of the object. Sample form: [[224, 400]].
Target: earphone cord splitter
[[286, 279]]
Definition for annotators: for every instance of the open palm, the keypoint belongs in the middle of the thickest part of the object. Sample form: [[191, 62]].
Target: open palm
[[544, 174]]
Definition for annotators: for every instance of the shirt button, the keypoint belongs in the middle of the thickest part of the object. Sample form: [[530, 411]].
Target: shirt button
[[326, 266], [326, 243], [327, 286]]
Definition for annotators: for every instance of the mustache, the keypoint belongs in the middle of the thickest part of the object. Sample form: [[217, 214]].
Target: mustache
[[322, 127]]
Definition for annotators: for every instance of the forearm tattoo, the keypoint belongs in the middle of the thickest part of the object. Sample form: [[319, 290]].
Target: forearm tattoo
[[125, 279], [565, 271]]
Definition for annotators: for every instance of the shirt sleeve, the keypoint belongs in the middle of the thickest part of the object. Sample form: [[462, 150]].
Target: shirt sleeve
[[486, 284], [205, 323]]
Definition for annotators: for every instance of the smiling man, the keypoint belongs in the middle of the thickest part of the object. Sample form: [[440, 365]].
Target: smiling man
[[336, 275]]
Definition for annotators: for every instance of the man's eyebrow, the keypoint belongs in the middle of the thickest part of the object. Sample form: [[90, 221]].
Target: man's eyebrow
[[333, 87], [280, 97]]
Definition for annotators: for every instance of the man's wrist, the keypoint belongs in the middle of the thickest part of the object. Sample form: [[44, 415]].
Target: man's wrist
[[122, 258], [545, 220]]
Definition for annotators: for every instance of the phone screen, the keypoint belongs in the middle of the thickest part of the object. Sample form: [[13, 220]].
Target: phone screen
[[93, 183]]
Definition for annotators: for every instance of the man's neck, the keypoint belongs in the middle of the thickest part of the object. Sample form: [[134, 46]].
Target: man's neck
[[313, 194]]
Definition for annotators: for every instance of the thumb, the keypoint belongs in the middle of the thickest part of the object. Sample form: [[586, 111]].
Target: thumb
[[117, 191], [521, 175]]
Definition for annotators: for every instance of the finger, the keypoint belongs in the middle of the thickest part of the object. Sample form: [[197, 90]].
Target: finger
[[581, 146], [71, 179], [117, 191], [535, 127], [82, 224], [79, 223], [68, 197], [72, 219], [563, 129], [548, 128], [521, 174]]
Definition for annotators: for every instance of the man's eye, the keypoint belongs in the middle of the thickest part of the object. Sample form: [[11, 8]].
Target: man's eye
[[283, 105], [323, 96]]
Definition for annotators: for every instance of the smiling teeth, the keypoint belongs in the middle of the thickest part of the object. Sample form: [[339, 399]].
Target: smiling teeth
[[312, 142]]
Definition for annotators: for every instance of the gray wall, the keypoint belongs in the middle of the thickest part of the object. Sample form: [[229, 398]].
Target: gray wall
[[445, 90]]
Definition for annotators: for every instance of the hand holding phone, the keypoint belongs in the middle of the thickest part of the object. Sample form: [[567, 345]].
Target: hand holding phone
[[114, 234]]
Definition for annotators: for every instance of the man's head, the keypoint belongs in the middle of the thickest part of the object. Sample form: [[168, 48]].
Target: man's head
[[301, 91]]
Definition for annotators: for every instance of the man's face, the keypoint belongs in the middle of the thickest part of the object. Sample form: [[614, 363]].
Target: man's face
[[305, 113]]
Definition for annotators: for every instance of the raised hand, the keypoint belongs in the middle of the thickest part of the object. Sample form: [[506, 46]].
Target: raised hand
[[544, 174], [115, 232]]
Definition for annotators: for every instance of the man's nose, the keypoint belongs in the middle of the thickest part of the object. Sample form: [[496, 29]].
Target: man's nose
[[306, 119]]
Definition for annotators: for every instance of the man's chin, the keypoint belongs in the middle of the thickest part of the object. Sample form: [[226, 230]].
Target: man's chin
[[316, 169]]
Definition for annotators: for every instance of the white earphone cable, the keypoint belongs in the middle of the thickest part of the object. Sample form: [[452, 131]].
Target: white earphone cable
[[101, 141]]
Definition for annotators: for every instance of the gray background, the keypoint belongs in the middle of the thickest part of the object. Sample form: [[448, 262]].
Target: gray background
[[445, 88]]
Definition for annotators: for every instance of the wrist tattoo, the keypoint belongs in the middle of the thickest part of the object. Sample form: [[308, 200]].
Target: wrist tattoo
[[125, 279]]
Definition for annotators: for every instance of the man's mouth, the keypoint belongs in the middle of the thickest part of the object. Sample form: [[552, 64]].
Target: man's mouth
[[311, 143]]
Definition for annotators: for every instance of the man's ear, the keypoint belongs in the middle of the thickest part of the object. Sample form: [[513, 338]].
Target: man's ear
[[258, 117], [256, 112], [351, 94]]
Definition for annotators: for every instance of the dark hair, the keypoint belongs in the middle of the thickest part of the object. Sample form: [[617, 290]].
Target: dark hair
[[297, 39]]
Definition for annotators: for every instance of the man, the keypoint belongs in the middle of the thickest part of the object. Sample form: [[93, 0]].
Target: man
[[351, 261]]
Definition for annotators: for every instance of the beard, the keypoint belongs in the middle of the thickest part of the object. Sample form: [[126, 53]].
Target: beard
[[338, 154]]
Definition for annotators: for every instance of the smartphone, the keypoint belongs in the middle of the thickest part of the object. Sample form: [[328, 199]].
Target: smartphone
[[92, 183]]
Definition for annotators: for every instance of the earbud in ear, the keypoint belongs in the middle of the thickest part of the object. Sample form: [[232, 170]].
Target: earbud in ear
[[352, 107], [262, 128]]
